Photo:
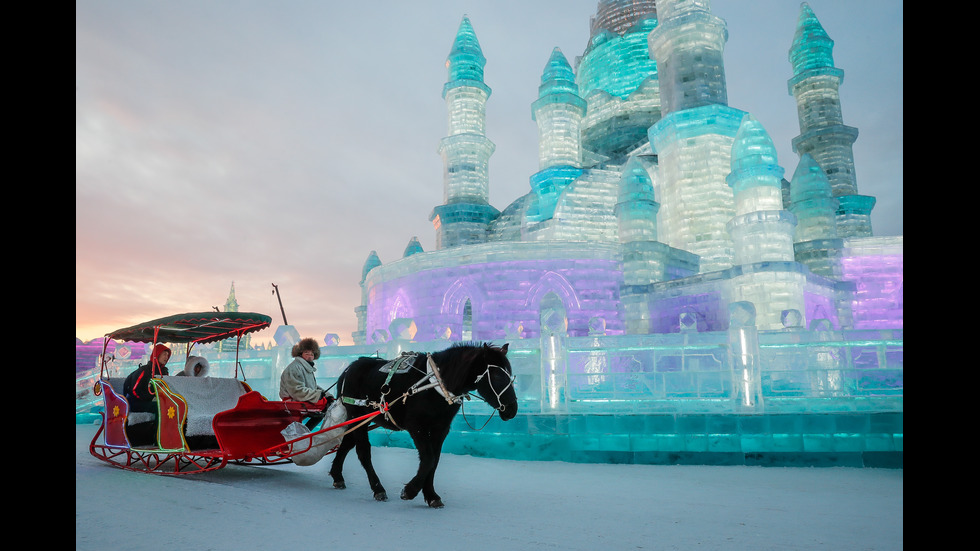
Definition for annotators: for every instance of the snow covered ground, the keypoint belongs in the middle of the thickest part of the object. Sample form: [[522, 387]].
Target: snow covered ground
[[490, 505]]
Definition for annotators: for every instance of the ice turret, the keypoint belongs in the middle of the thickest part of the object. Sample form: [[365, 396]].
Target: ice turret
[[811, 200], [693, 139], [464, 216], [636, 208], [372, 262], [558, 112], [360, 336], [823, 135], [761, 230]]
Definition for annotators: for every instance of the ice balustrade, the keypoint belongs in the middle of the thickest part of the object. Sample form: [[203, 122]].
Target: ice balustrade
[[795, 370]]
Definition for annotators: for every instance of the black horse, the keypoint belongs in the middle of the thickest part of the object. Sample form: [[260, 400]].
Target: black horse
[[422, 395]]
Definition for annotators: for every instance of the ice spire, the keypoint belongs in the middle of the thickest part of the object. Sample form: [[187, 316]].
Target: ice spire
[[558, 112], [643, 256], [466, 59], [231, 303], [413, 247], [465, 215], [812, 47], [823, 135]]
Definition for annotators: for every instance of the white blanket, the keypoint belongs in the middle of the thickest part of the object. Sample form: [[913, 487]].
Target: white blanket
[[205, 396], [320, 443]]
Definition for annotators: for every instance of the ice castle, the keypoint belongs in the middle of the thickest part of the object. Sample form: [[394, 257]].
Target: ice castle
[[668, 294], [656, 204]]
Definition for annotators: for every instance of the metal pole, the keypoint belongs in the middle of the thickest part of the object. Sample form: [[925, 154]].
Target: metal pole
[[275, 289]]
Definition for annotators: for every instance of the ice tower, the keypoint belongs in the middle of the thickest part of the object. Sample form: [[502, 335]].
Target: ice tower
[[823, 135], [370, 263], [558, 112], [463, 218], [762, 231], [693, 140]]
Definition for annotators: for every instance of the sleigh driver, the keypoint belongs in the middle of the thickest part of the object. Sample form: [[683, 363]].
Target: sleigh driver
[[298, 381]]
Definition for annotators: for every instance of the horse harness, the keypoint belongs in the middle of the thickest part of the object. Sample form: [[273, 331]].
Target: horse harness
[[431, 378]]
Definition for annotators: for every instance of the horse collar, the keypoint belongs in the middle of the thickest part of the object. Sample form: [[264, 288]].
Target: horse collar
[[435, 380]]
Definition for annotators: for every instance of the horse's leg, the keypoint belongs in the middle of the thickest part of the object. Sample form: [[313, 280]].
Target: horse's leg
[[421, 441], [363, 448], [337, 467], [429, 445], [428, 488]]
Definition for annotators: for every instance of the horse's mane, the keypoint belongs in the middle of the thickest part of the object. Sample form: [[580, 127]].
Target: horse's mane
[[454, 361]]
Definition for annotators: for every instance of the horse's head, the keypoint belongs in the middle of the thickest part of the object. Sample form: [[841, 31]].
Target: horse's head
[[495, 382]]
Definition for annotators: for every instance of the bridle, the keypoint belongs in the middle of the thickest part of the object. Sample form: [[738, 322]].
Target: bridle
[[433, 379], [497, 395]]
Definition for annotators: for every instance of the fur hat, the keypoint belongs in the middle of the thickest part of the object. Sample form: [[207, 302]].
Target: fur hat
[[304, 345], [193, 362]]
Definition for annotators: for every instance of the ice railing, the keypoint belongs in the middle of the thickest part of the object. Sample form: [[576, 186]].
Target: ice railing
[[739, 370], [792, 371]]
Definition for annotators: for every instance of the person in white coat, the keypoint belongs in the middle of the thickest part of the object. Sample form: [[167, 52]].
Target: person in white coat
[[298, 380]]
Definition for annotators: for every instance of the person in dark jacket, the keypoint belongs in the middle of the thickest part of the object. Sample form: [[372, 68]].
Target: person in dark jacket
[[136, 388]]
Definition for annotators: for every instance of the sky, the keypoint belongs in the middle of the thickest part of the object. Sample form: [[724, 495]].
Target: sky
[[491, 504], [255, 142]]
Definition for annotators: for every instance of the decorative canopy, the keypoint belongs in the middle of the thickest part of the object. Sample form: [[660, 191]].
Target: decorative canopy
[[196, 327]]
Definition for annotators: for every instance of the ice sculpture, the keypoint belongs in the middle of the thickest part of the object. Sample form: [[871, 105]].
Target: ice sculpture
[[640, 214]]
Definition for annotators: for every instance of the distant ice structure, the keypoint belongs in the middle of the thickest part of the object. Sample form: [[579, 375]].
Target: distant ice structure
[[654, 199]]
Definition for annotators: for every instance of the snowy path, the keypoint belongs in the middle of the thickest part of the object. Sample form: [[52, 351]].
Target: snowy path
[[490, 505]]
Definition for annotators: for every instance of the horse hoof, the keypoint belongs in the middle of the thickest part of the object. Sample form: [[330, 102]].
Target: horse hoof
[[381, 496], [340, 485], [436, 504], [406, 495]]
